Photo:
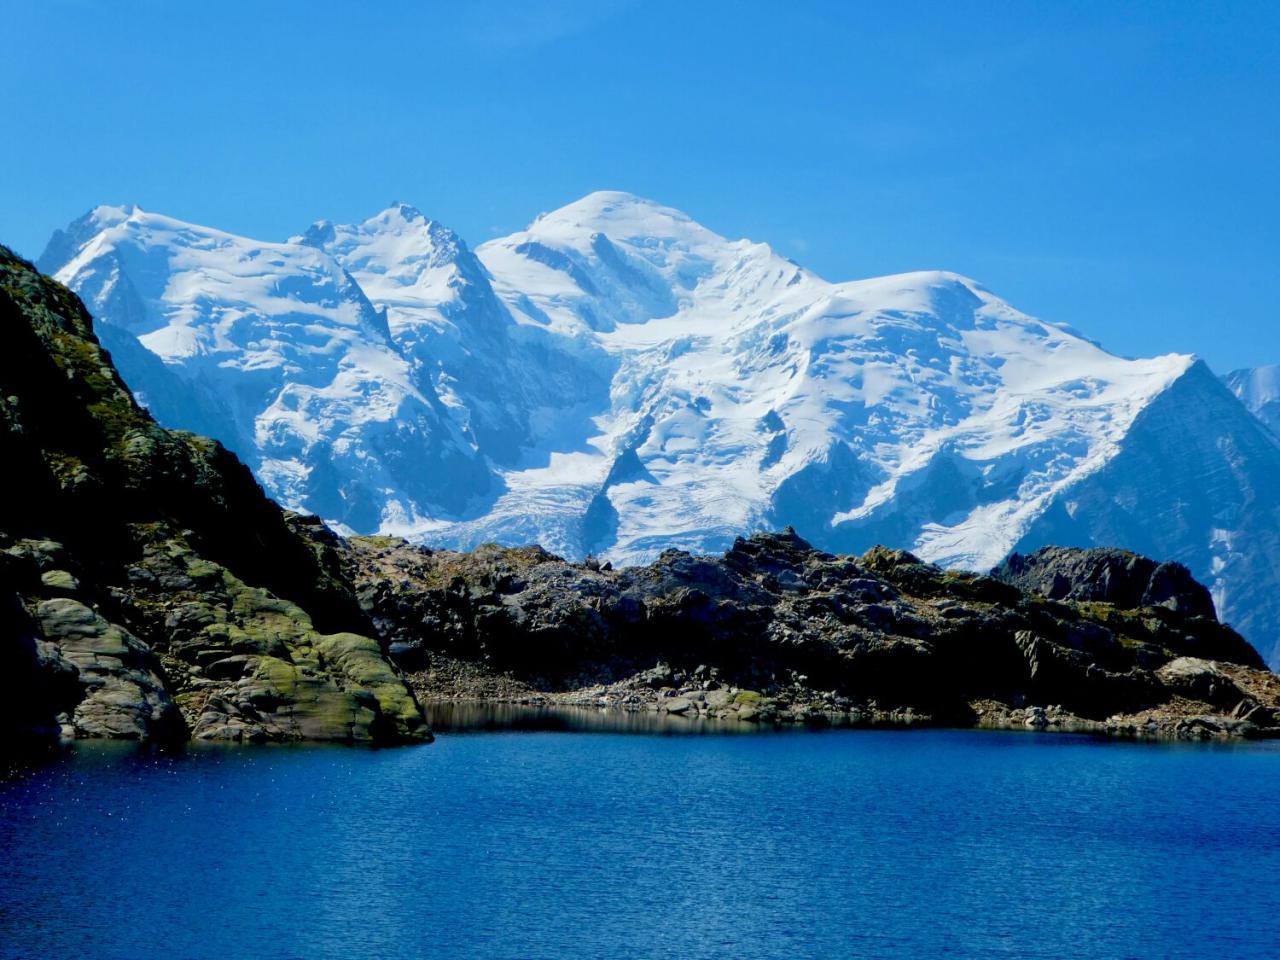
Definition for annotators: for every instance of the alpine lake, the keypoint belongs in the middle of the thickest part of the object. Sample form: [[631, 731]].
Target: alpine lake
[[523, 833]]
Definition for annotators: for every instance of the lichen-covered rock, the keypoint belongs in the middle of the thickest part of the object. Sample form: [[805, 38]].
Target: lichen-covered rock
[[59, 581], [247, 665]]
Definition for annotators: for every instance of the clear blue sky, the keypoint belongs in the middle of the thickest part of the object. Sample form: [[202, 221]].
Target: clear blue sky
[[1115, 166]]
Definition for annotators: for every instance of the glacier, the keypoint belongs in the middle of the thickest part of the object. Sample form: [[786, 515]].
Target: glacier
[[617, 379]]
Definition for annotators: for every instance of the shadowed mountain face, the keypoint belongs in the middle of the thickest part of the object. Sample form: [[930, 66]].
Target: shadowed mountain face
[[148, 587], [617, 379]]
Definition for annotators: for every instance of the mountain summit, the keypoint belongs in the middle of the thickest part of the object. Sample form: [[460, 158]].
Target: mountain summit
[[618, 379]]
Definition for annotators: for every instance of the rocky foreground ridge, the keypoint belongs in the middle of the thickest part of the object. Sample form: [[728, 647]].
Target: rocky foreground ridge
[[776, 631], [150, 590]]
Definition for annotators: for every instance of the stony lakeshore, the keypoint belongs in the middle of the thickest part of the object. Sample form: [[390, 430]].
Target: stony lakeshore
[[149, 590]]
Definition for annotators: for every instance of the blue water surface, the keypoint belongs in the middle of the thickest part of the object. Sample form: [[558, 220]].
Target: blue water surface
[[517, 844]]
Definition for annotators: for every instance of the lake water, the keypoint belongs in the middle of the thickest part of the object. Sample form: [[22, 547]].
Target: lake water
[[549, 844]]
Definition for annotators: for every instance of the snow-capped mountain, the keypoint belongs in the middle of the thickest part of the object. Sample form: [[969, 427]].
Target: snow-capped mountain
[[618, 379], [274, 349], [1259, 390], [508, 387]]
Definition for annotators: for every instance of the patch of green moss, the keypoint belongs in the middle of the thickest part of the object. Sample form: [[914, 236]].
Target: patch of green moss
[[280, 674], [359, 659], [199, 569], [378, 542], [1106, 613]]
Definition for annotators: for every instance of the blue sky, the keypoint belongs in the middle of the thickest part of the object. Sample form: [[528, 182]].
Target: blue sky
[[1114, 166]]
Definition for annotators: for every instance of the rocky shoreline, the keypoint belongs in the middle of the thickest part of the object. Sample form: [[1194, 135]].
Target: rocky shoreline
[[706, 700], [1198, 694], [1186, 697]]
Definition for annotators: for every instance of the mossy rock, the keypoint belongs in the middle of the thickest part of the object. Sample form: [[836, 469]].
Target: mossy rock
[[59, 582], [359, 659]]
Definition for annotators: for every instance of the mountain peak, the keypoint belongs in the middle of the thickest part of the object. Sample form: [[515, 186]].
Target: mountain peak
[[621, 216], [399, 210], [64, 244], [607, 200], [1259, 390], [1256, 386], [399, 220], [106, 214], [404, 219]]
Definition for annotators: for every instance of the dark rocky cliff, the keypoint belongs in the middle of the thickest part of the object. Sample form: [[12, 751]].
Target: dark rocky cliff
[[148, 588], [1117, 577]]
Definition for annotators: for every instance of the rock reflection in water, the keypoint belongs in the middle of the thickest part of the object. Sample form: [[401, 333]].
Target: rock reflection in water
[[470, 716]]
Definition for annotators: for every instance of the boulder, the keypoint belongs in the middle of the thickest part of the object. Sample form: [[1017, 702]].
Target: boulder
[[59, 582]]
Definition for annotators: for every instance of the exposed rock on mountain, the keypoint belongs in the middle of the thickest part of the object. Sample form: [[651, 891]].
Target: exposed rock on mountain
[[617, 379], [143, 573]]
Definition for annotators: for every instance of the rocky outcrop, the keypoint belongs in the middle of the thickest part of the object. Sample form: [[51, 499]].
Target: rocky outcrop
[[1117, 577], [148, 588], [123, 693], [775, 630]]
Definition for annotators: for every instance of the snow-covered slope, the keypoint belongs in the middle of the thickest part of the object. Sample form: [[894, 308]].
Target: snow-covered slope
[[510, 389], [1259, 390], [618, 379], [278, 353]]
